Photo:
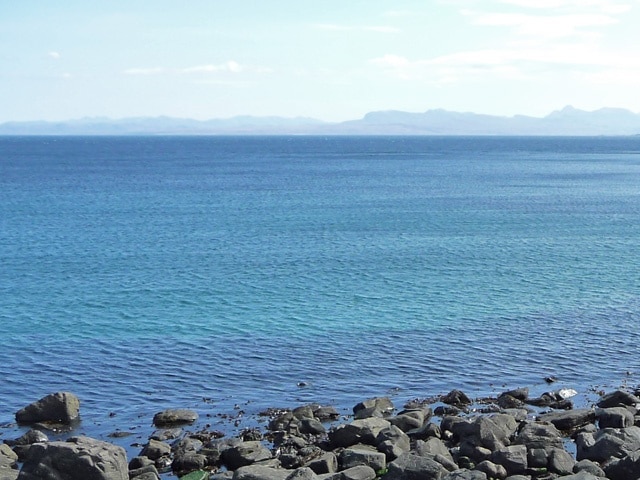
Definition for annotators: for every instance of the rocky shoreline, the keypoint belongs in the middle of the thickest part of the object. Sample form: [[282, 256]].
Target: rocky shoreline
[[450, 437]]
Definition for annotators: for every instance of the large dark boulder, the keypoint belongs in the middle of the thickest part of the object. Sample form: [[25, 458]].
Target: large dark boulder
[[172, 417], [619, 398], [607, 443], [571, 419], [245, 454], [79, 458], [374, 407], [60, 407], [359, 431], [414, 467]]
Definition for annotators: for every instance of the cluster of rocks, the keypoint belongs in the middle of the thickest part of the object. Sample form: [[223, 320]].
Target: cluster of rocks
[[511, 437]]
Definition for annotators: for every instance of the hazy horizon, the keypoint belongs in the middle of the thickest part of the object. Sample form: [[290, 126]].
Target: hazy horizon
[[331, 61]]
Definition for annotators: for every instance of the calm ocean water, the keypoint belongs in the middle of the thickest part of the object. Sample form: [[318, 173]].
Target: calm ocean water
[[147, 273]]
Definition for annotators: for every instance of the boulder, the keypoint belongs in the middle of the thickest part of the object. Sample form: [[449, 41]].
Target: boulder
[[359, 431], [456, 398], [513, 458], [619, 398], [464, 474], [302, 473], [155, 449], [571, 419], [354, 456], [408, 420], [245, 454], [607, 443], [544, 436], [148, 471], [79, 458], [188, 462], [626, 468], [492, 470], [260, 472], [561, 462], [374, 407], [433, 447], [393, 442], [588, 466], [172, 417], [8, 462], [614, 417], [327, 463], [60, 407], [311, 426], [360, 472], [414, 467]]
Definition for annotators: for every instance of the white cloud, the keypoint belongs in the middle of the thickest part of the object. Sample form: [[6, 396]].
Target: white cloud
[[54, 55], [230, 66], [607, 6]]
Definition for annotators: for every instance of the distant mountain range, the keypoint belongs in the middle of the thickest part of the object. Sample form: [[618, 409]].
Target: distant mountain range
[[568, 121]]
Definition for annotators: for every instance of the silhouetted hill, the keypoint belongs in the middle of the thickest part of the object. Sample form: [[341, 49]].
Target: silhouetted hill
[[568, 121]]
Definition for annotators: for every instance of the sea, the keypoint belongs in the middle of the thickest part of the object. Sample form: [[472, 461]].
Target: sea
[[233, 274]]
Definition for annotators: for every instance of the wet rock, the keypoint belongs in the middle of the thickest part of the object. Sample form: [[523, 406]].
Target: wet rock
[[392, 442], [607, 443], [186, 445], [188, 462], [32, 436], [619, 398], [260, 472], [302, 473], [155, 449], [492, 470], [311, 426], [569, 420], [139, 462], [464, 474], [173, 417], [626, 468], [410, 419], [79, 458], [361, 472], [414, 467], [327, 463], [325, 414], [614, 417], [457, 398], [359, 431], [61, 407], [354, 456], [588, 466], [147, 471], [507, 401], [304, 411], [513, 458], [245, 454], [166, 434], [374, 407], [544, 436], [519, 394], [561, 462]]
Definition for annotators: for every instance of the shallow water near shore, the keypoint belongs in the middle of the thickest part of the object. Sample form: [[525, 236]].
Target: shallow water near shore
[[148, 273]]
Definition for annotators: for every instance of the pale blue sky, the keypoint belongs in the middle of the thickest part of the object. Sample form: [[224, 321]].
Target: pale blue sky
[[332, 59]]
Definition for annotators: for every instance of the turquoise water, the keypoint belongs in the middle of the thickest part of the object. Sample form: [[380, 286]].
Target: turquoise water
[[145, 273]]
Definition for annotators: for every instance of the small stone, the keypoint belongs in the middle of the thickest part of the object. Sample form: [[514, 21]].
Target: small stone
[[174, 417]]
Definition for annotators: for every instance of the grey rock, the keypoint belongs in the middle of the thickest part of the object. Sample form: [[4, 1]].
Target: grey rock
[[583, 476], [456, 398], [570, 419], [614, 417], [311, 426], [507, 401], [188, 462], [155, 449], [538, 457], [8, 458], [361, 472], [414, 467], [172, 417], [186, 445], [166, 434], [519, 393], [305, 411], [302, 473], [426, 431], [626, 468], [32, 436], [561, 462], [433, 446], [492, 470], [79, 458], [359, 431], [607, 443], [260, 472], [139, 462], [60, 407], [245, 454], [539, 435], [327, 463], [518, 477], [325, 414], [393, 442], [619, 398], [145, 476], [352, 457], [374, 407], [464, 474], [513, 458], [148, 471], [408, 420], [588, 466]]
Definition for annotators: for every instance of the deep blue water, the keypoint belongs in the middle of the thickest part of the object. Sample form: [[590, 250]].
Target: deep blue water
[[146, 273]]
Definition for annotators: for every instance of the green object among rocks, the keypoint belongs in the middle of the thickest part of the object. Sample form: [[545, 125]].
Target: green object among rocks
[[197, 475]]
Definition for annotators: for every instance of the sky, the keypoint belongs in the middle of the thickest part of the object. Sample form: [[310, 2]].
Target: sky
[[333, 60]]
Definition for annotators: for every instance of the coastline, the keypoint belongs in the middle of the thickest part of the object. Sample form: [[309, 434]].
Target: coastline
[[280, 434]]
